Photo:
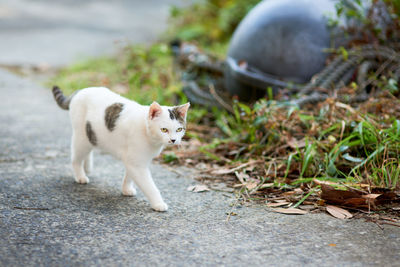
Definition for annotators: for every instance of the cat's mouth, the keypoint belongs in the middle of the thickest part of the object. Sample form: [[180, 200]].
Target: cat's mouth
[[170, 143]]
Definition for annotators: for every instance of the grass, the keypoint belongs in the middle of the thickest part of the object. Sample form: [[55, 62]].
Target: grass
[[142, 73], [336, 144]]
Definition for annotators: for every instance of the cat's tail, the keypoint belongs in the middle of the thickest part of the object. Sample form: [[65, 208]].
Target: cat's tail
[[62, 100]]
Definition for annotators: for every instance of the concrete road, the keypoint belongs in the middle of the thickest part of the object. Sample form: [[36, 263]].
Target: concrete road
[[58, 32]]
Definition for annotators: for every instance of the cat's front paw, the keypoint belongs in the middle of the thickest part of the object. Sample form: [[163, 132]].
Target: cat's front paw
[[162, 206], [82, 180]]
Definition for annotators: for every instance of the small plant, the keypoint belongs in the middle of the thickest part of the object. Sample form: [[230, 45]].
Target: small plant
[[169, 157]]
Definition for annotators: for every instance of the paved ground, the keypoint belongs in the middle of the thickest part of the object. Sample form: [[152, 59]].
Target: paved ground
[[58, 32], [95, 225]]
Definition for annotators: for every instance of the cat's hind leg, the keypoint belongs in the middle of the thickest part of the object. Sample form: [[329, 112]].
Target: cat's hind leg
[[128, 186], [80, 149], [88, 163]]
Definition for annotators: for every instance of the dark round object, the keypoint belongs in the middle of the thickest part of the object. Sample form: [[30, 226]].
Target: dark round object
[[282, 40]]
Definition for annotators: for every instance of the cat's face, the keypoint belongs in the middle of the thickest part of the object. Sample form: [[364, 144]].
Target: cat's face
[[167, 124]]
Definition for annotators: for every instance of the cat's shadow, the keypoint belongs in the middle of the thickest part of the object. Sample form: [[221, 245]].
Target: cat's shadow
[[98, 197]]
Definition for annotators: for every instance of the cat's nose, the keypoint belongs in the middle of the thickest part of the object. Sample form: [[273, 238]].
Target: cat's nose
[[173, 140]]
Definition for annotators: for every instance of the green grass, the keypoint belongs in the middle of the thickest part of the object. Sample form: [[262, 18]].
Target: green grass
[[356, 147]]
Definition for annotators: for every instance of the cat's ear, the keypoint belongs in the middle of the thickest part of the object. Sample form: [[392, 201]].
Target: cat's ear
[[155, 110], [182, 110]]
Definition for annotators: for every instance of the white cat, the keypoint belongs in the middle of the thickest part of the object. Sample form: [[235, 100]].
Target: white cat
[[133, 133]]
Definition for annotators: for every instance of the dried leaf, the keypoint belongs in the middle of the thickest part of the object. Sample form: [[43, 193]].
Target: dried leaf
[[280, 200], [293, 211], [342, 105], [278, 204], [242, 176], [371, 196], [307, 207], [298, 191], [222, 171], [267, 185], [344, 197], [198, 188], [338, 212], [228, 171], [251, 185], [319, 182], [294, 143], [289, 193]]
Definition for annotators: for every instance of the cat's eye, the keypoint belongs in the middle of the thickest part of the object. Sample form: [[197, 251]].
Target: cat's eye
[[164, 130], [179, 130]]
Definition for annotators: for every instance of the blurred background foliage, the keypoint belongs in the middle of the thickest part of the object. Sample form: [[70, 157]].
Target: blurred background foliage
[[209, 21], [376, 21]]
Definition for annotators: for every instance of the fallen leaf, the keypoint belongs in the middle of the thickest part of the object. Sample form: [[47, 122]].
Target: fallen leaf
[[319, 182], [242, 177], [342, 105], [307, 207], [290, 211], [251, 185], [298, 191], [267, 185], [198, 188], [371, 196], [227, 171], [338, 212], [280, 200], [289, 193], [294, 143], [278, 204], [345, 197]]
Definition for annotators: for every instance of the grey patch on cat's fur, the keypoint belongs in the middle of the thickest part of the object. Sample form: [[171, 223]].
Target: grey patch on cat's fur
[[174, 115], [112, 114], [90, 134], [62, 101]]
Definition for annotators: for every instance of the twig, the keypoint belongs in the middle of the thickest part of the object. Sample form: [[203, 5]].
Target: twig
[[378, 224], [235, 168], [389, 219], [231, 211], [381, 69], [173, 170], [219, 99], [390, 223]]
